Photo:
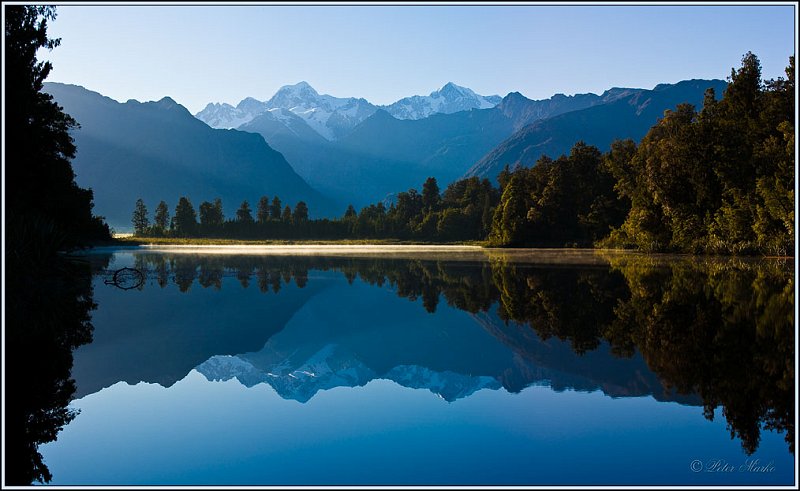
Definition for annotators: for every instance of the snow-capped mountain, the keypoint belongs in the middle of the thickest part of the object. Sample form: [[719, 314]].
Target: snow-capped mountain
[[331, 117], [449, 99], [226, 116], [332, 367], [334, 117]]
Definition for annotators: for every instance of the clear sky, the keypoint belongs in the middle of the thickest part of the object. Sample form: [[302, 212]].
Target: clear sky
[[221, 53]]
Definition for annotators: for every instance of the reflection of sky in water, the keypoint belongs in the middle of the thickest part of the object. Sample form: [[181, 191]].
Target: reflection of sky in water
[[200, 432]]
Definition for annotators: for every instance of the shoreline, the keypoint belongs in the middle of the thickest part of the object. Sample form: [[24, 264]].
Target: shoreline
[[449, 252]]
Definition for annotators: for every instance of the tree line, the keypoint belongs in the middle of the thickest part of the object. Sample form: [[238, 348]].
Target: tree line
[[715, 181], [271, 219], [462, 212]]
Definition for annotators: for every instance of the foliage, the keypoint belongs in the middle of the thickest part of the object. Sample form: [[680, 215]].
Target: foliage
[[243, 214], [722, 329], [717, 181], [262, 214], [185, 219], [140, 220], [211, 217], [162, 218], [564, 202], [48, 294], [38, 146]]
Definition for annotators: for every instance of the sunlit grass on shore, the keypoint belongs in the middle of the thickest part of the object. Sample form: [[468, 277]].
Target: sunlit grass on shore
[[125, 240]]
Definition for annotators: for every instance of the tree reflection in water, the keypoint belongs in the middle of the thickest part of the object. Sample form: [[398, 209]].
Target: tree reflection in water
[[48, 315], [720, 329]]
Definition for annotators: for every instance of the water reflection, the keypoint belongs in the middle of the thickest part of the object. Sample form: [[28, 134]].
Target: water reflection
[[47, 315], [709, 332], [722, 329]]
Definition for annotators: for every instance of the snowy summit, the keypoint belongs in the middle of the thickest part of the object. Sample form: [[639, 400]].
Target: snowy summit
[[449, 99]]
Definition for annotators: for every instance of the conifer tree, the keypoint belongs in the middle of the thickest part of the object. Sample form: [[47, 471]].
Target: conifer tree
[[140, 221]]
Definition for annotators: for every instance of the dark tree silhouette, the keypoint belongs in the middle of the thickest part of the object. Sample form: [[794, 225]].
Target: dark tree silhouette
[[39, 148], [244, 214], [48, 296], [300, 212], [275, 209], [185, 218], [286, 217], [430, 194], [162, 217], [262, 214], [211, 218], [140, 220]]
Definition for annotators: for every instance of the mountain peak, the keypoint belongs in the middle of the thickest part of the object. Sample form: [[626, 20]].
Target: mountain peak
[[514, 96], [300, 88], [167, 101], [449, 99], [251, 106], [453, 91], [169, 104]]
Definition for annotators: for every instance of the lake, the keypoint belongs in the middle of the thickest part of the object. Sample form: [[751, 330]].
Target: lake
[[429, 366]]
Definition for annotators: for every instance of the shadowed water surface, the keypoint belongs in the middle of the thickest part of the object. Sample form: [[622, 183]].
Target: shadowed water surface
[[452, 367]]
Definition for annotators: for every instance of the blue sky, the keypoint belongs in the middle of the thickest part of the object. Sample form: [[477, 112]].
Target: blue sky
[[219, 53]]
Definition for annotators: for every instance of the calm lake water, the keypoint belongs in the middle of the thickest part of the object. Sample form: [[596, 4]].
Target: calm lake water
[[449, 368]]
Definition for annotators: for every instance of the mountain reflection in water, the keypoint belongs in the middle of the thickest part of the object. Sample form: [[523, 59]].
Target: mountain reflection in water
[[704, 331], [709, 332]]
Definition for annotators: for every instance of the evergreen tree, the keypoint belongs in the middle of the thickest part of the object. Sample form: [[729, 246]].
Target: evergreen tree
[[286, 217], [211, 218], [185, 220], [140, 220], [409, 207], [162, 217], [263, 210], [430, 195], [243, 214], [38, 145], [300, 212], [275, 209], [219, 216], [509, 222]]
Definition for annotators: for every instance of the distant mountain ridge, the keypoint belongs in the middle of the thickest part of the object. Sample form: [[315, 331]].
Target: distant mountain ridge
[[225, 116], [331, 117], [159, 151], [451, 98], [334, 117], [617, 114]]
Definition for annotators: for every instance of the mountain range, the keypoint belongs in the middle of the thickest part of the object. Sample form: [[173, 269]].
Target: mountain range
[[331, 152], [627, 113], [384, 154], [159, 151], [333, 117]]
